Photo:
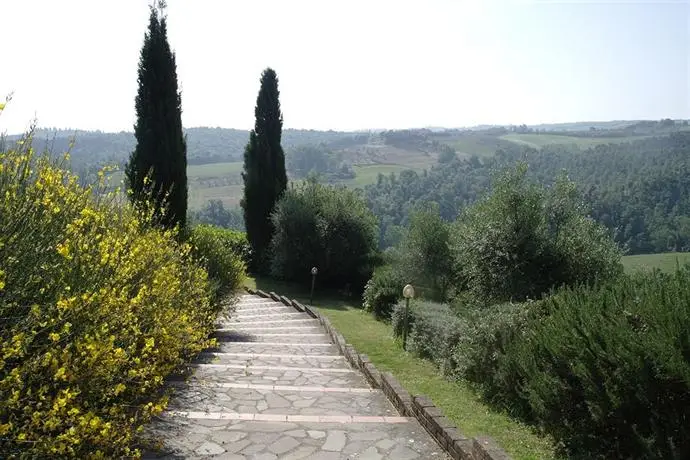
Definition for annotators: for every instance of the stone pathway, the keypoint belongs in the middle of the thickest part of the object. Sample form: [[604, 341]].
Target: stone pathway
[[277, 388]]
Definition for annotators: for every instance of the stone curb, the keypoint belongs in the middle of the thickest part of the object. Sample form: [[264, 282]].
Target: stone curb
[[429, 416]]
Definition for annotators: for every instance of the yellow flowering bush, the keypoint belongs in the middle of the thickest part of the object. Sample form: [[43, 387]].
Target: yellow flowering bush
[[96, 309]]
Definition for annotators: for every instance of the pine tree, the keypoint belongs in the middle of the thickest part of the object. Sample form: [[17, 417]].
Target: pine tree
[[157, 169], [265, 179]]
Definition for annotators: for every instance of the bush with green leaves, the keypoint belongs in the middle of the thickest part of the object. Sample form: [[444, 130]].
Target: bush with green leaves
[[433, 330], [223, 253], [521, 241], [326, 227], [607, 370], [423, 257], [382, 292]]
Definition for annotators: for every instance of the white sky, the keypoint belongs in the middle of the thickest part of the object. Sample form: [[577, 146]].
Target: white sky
[[352, 64]]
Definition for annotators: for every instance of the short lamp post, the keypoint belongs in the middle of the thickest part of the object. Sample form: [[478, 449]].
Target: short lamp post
[[408, 293], [314, 272]]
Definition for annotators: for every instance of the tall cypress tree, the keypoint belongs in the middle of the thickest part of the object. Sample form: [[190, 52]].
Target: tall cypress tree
[[161, 150], [265, 179]]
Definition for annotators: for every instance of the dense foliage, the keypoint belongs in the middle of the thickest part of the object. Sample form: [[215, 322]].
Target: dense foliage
[[327, 227], [639, 190], [224, 254], [605, 370], [265, 179], [304, 160], [383, 291], [215, 213], [97, 309], [157, 168], [521, 241]]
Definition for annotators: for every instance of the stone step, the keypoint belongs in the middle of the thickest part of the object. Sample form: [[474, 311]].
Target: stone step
[[275, 376], [272, 316], [209, 435], [269, 322], [280, 360], [284, 337], [191, 398], [266, 308], [277, 347], [269, 329]]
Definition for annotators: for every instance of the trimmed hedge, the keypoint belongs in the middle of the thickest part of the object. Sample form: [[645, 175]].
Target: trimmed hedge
[[223, 253], [382, 292], [97, 309], [607, 371]]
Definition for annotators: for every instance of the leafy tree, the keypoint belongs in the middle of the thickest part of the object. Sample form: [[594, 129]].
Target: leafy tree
[[327, 227], [157, 169], [520, 241], [215, 213], [424, 257], [265, 179]]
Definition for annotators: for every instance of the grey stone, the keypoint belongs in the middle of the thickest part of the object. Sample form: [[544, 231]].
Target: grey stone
[[209, 448], [385, 444], [296, 433], [403, 453], [300, 453], [316, 434], [283, 445], [370, 454], [335, 441]]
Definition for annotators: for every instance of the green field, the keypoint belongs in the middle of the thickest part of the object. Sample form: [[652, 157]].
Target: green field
[[214, 170], [458, 401], [368, 174], [538, 141], [666, 262]]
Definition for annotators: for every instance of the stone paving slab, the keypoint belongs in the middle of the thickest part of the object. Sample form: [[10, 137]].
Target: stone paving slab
[[278, 377], [296, 361], [276, 387], [288, 337], [238, 439], [270, 401], [325, 348]]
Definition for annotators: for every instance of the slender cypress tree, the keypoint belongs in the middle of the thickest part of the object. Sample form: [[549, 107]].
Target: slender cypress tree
[[157, 169], [265, 179]]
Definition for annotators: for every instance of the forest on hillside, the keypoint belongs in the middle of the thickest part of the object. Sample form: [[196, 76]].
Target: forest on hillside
[[640, 190]]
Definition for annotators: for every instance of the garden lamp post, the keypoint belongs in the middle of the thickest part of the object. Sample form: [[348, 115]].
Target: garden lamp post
[[408, 293], [314, 272]]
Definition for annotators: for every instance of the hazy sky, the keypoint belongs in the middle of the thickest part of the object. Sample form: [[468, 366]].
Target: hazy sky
[[353, 64]]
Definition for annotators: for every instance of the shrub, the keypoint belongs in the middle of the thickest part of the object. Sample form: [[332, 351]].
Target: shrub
[[520, 242], [423, 256], [223, 253], [433, 330], [97, 308], [382, 292], [607, 371], [327, 227]]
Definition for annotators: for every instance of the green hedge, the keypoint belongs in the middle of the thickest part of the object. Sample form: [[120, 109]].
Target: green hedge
[[607, 372], [382, 292], [223, 253]]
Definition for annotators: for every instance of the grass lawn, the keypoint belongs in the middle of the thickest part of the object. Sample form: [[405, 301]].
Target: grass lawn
[[457, 401], [666, 262]]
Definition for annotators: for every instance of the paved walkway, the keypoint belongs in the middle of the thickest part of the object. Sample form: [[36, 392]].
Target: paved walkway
[[277, 388]]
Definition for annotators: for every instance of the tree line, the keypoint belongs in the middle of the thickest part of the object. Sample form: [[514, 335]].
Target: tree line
[[638, 190]]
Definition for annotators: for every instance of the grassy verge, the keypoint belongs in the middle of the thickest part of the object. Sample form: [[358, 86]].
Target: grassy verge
[[458, 401]]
